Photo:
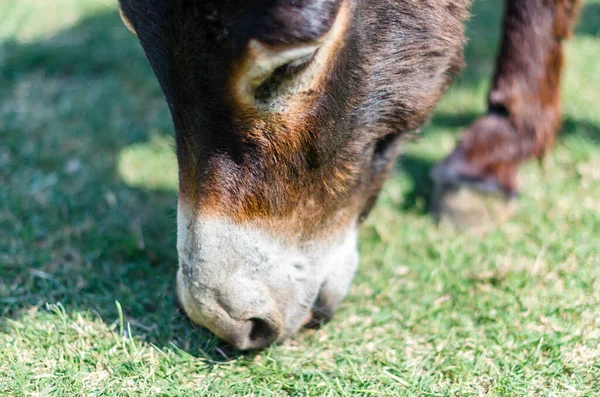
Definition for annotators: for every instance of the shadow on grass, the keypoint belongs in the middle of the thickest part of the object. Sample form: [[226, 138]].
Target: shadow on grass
[[418, 170], [579, 128], [589, 21], [71, 230]]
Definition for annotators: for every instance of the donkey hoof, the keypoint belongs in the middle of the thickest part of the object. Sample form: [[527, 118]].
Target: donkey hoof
[[467, 208]]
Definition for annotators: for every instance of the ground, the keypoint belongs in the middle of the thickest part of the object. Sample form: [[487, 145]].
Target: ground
[[87, 241]]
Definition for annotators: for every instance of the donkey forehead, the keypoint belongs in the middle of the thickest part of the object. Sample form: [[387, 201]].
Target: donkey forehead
[[271, 21], [277, 21]]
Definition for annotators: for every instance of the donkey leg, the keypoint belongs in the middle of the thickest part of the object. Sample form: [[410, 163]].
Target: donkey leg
[[477, 182]]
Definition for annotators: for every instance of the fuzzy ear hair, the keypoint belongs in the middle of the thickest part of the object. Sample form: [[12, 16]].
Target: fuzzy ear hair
[[126, 21], [273, 75], [263, 60], [264, 63]]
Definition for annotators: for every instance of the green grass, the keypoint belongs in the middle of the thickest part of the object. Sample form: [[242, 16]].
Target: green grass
[[87, 218]]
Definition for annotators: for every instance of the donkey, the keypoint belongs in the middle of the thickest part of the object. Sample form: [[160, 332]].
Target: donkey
[[288, 116]]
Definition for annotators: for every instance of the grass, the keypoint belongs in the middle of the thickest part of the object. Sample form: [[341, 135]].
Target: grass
[[87, 241]]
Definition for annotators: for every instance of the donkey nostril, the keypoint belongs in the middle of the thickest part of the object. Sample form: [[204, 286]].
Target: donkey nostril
[[261, 333]]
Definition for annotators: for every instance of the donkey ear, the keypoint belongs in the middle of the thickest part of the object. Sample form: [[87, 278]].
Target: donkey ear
[[270, 76], [126, 21], [262, 61]]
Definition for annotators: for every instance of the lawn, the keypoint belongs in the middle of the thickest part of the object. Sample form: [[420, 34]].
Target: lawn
[[87, 241]]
